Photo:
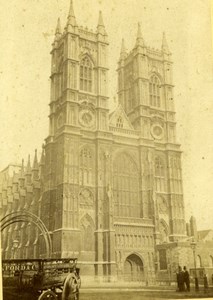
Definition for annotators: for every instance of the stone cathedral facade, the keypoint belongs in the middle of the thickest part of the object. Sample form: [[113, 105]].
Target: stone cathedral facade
[[109, 185]]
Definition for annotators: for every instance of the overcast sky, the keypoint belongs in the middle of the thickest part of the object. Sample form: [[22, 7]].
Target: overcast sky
[[27, 31]]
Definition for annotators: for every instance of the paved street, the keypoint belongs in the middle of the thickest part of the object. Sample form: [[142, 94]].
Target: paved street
[[124, 294]]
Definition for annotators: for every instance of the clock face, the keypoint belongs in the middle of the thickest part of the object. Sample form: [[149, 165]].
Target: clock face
[[86, 118], [157, 132]]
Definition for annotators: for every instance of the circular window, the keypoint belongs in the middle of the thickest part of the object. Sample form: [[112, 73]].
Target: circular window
[[157, 132]]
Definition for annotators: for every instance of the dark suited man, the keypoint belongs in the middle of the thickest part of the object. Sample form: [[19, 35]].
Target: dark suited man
[[186, 278]]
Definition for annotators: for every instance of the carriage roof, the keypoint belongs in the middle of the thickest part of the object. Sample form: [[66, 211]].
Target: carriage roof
[[39, 264]]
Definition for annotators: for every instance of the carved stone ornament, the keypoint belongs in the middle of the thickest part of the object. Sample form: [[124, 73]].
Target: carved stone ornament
[[86, 198], [163, 207]]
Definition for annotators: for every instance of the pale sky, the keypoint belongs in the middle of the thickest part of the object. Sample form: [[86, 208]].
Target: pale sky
[[27, 30]]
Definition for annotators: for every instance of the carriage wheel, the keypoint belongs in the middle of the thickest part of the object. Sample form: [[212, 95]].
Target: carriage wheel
[[47, 295]]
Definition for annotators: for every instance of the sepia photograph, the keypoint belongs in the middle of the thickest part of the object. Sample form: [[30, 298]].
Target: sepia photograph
[[106, 149]]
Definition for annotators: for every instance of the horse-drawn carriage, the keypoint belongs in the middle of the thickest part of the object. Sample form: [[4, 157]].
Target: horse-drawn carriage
[[43, 278]]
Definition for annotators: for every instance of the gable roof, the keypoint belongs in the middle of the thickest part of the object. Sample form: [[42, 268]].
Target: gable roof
[[120, 113], [202, 234]]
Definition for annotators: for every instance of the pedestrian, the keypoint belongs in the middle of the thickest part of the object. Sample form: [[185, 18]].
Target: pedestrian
[[180, 279], [205, 282], [186, 279]]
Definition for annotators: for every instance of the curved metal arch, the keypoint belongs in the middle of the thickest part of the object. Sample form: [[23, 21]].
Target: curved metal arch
[[26, 216]]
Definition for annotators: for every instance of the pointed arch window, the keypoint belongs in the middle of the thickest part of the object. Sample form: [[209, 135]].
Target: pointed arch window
[[154, 91], [159, 175], [119, 122], [86, 75], [126, 187]]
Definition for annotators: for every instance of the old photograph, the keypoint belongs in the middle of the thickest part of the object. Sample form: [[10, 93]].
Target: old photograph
[[106, 149]]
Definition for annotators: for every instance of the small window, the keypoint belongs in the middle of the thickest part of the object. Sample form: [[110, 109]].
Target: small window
[[119, 122]]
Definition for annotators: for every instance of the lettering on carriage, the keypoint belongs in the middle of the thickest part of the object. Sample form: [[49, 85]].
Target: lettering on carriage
[[20, 267]]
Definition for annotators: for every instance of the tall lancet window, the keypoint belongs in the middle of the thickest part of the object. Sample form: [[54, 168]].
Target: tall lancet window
[[126, 187], [154, 91], [160, 182], [86, 75]]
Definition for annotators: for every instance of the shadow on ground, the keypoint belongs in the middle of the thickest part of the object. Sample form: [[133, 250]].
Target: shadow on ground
[[116, 295]]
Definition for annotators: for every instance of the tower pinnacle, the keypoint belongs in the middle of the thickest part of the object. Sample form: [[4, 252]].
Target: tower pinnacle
[[22, 168], [101, 27], [123, 50], [28, 165], [100, 19], [71, 15], [139, 40], [58, 30], [35, 162], [165, 47], [42, 156], [58, 27]]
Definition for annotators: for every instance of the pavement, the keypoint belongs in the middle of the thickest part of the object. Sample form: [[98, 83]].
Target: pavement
[[123, 293]]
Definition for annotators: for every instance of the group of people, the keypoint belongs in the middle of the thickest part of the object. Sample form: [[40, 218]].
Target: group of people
[[183, 280]]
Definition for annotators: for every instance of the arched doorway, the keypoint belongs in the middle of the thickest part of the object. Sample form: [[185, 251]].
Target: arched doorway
[[133, 268]]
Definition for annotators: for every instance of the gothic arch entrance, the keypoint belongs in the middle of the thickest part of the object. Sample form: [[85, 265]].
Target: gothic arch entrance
[[26, 217], [133, 268]]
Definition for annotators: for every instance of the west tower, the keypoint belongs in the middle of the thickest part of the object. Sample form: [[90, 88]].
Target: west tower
[[73, 188], [145, 91]]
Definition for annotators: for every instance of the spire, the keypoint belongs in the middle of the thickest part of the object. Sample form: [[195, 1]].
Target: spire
[[22, 169], [139, 40], [21, 176], [28, 171], [58, 29], [42, 156], [28, 165], [100, 19], [35, 162], [165, 47], [101, 27], [123, 50], [35, 170], [71, 15]]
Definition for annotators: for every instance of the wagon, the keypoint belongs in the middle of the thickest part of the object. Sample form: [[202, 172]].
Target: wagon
[[43, 278]]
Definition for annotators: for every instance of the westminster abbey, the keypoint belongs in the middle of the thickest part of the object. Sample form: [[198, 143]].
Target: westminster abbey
[[108, 186]]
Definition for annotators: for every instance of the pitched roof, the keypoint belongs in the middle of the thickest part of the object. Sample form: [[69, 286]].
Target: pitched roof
[[120, 113], [204, 233]]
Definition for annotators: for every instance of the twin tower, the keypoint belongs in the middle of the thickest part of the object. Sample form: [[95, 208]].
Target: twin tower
[[111, 182]]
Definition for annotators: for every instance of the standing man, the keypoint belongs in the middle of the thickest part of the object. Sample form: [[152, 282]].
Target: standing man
[[180, 279], [186, 278]]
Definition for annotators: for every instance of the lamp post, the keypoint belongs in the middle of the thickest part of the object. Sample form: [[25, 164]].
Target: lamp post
[[193, 245]]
